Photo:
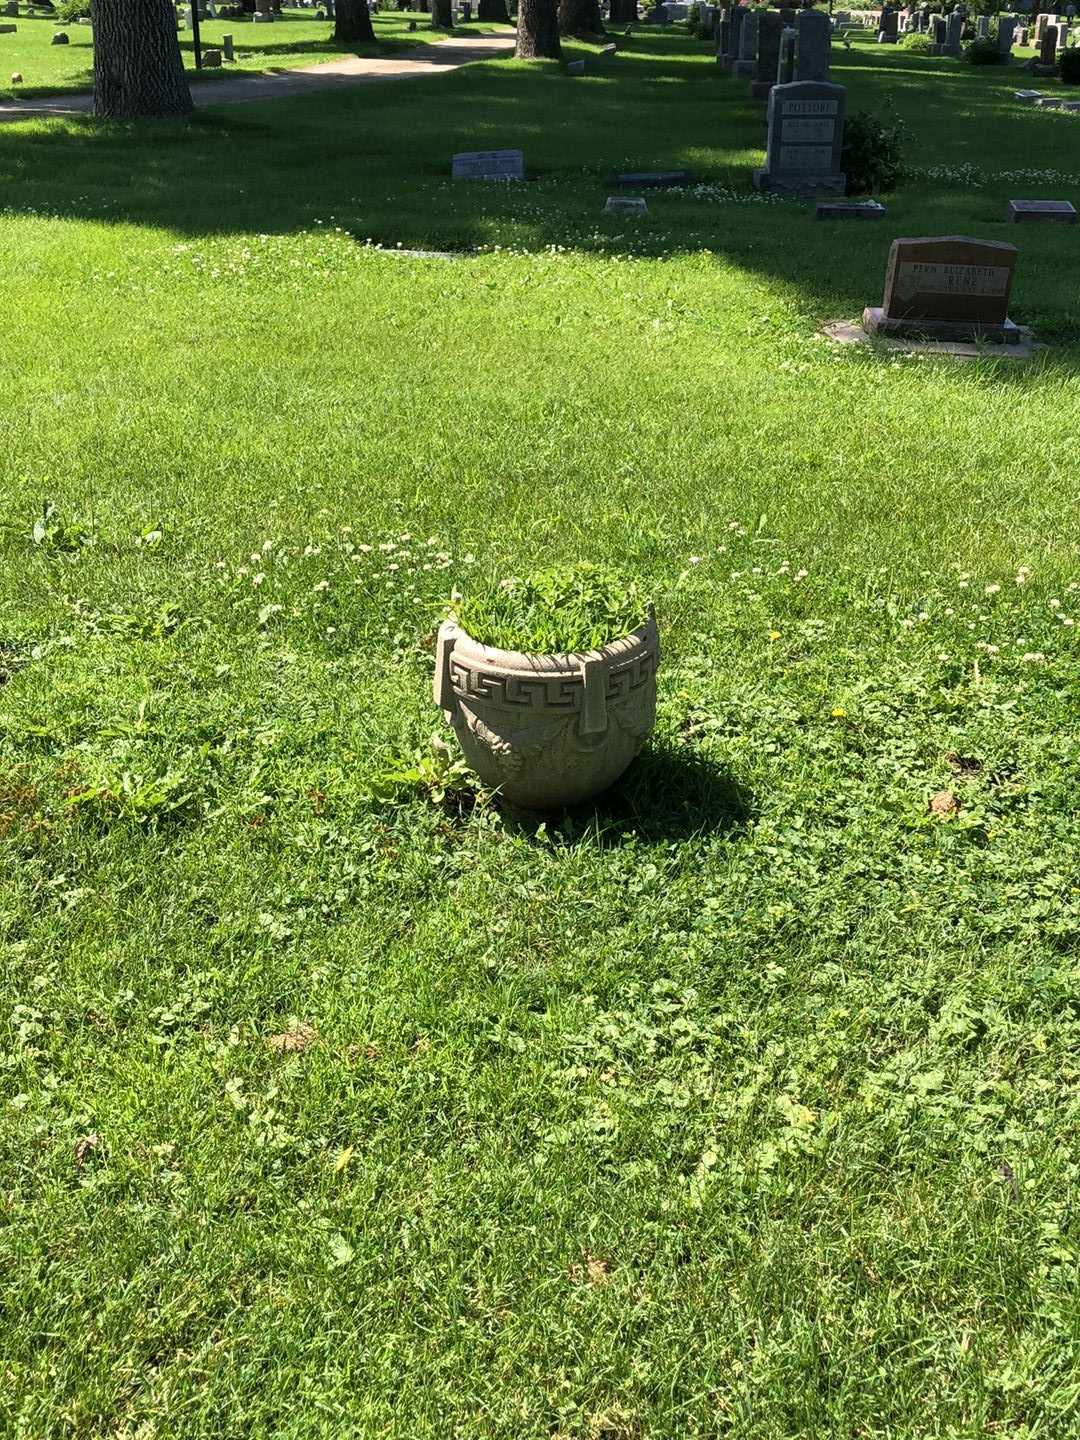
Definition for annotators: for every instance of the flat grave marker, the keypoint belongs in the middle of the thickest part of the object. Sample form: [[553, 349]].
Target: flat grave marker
[[1059, 212], [654, 179], [849, 210], [488, 165], [630, 204]]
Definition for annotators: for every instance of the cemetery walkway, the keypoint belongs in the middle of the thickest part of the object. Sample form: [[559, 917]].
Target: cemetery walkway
[[449, 54]]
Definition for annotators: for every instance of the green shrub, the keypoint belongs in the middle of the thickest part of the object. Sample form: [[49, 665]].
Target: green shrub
[[983, 52], [580, 607], [71, 10], [871, 155], [1070, 67], [918, 43]]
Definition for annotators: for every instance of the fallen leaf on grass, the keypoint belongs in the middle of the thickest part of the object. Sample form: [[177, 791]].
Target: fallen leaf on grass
[[297, 1037], [944, 803], [592, 1271], [85, 1147]]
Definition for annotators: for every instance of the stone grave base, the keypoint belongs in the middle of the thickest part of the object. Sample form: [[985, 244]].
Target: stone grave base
[[876, 322], [800, 184], [761, 89], [850, 332]]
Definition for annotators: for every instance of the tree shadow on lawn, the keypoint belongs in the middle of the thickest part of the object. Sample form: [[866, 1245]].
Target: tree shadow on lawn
[[376, 158], [669, 793]]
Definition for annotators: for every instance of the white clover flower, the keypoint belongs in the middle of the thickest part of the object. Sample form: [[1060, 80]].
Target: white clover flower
[[991, 589], [322, 585], [258, 579]]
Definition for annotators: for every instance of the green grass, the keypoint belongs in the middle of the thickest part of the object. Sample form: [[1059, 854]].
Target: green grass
[[560, 611], [294, 40], [742, 1103]]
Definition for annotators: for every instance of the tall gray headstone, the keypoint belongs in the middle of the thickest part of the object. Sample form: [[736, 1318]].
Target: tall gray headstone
[[748, 37], [812, 45], [1006, 31], [785, 65], [806, 137], [954, 33]]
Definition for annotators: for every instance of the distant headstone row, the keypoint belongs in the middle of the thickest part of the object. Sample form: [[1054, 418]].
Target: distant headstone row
[[769, 47]]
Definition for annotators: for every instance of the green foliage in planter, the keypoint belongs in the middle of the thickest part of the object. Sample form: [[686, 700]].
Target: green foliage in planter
[[580, 607], [1070, 67], [917, 42], [983, 52], [871, 157]]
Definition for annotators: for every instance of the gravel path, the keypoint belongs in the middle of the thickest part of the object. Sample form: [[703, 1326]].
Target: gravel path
[[448, 54]]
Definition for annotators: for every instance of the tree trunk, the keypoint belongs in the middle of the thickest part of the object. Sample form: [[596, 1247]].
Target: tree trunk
[[442, 15], [580, 17], [623, 11], [538, 30], [138, 69], [494, 11], [352, 23]]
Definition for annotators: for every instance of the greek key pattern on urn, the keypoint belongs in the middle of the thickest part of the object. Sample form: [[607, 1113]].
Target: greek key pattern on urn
[[552, 692]]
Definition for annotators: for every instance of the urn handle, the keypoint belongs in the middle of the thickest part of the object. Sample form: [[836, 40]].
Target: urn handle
[[444, 690], [594, 701]]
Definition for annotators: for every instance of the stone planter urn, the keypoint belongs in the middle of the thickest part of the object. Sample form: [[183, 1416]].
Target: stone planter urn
[[548, 730]]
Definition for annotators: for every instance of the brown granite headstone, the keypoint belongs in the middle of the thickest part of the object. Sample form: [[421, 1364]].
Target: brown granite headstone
[[947, 287]]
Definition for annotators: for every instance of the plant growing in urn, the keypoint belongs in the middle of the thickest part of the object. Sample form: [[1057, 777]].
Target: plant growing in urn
[[550, 683]]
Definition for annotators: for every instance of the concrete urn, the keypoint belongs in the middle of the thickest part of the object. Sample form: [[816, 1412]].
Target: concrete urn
[[548, 730]]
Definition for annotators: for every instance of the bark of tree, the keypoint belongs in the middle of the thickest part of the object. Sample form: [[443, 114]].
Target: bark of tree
[[442, 15], [494, 11], [138, 69], [623, 11], [538, 30], [352, 23], [580, 17]]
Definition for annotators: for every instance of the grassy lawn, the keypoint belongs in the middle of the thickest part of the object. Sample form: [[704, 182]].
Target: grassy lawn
[[743, 1103], [295, 40]]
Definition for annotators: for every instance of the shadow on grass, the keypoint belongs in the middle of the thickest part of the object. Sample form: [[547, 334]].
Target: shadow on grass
[[669, 793], [376, 157]]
